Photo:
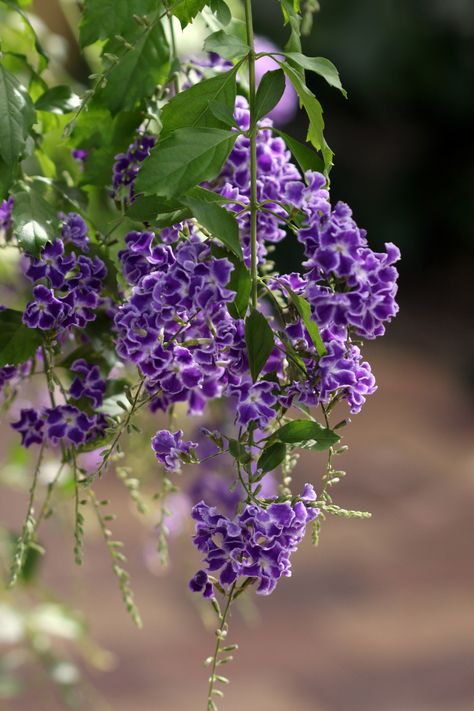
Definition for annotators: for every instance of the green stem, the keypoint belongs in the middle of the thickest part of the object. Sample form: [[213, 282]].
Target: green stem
[[220, 637], [253, 152], [28, 529], [122, 426]]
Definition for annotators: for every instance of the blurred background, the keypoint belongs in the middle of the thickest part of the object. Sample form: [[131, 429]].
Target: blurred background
[[380, 616]]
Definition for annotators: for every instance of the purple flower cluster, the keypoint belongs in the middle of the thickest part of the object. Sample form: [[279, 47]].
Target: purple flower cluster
[[349, 285], [61, 423], [127, 165], [69, 290], [274, 172], [171, 450], [175, 325], [74, 231], [351, 290], [256, 544], [67, 423], [88, 383]]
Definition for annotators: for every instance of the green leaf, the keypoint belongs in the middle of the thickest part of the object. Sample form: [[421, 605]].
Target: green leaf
[[155, 210], [192, 107], [17, 115], [241, 283], [298, 431], [305, 156], [43, 58], [223, 115], [319, 65], [104, 138], [239, 452], [34, 221], [315, 115], [18, 342], [260, 342], [100, 442], [271, 457], [186, 10], [58, 100], [229, 46], [290, 10], [183, 159], [304, 310], [138, 70], [269, 93], [102, 19], [221, 11], [218, 221]]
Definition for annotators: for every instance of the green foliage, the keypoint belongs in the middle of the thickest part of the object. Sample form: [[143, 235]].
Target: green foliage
[[260, 341], [221, 11], [35, 220], [229, 46], [304, 311], [271, 457], [104, 137], [185, 158], [186, 10], [315, 114], [302, 431], [103, 19], [306, 158], [292, 18], [58, 100], [43, 59], [18, 342], [193, 107], [17, 116], [157, 211], [218, 221], [269, 93], [319, 65], [139, 68], [241, 283]]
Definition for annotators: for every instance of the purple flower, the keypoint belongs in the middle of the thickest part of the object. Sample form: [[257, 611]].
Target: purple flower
[[274, 171], [171, 450], [81, 155], [201, 583], [6, 208], [127, 165], [52, 264], [74, 231], [255, 402], [88, 383], [45, 311], [7, 373], [68, 422], [30, 426], [256, 544]]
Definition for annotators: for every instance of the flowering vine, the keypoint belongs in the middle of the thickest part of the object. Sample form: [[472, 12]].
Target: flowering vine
[[149, 286]]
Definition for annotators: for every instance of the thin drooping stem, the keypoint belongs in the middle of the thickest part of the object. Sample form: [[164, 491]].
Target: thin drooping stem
[[121, 428], [28, 530], [253, 153], [221, 634]]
